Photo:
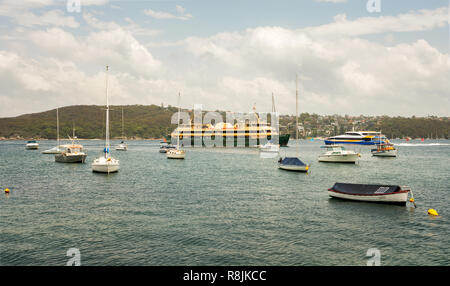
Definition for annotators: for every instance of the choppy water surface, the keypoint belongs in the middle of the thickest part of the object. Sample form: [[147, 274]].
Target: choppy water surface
[[219, 207]]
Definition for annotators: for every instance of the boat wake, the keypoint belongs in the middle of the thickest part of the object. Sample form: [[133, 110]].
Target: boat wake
[[422, 144]]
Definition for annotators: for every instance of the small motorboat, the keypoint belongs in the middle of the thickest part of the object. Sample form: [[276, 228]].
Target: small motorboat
[[32, 145], [292, 164], [165, 147], [122, 146], [175, 153], [338, 154], [384, 150], [392, 194]]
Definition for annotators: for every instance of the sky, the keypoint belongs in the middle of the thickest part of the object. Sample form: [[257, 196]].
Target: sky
[[370, 57]]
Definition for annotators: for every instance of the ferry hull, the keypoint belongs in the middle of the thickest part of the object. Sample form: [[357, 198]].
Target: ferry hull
[[360, 142]]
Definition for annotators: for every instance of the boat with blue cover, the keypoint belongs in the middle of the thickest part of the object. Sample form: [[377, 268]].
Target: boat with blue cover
[[292, 164]]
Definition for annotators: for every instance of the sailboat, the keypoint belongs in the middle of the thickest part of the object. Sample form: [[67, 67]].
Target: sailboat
[[294, 163], [177, 153], [122, 146], [270, 146], [106, 163], [58, 149], [72, 153]]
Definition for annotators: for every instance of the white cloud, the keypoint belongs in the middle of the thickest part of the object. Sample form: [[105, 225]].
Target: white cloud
[[181, 15], [132, 27], [422, 20], [116, 47]]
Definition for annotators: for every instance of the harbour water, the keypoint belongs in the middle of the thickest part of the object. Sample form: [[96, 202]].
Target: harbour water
[[220, 207]]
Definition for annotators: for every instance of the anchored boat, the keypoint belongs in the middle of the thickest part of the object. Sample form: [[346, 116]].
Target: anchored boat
[[338, 154], [177, 152], [294, 163], [358, 138], [72, 153], [392, 194], [32, 145], [384, 150], [106, 163]]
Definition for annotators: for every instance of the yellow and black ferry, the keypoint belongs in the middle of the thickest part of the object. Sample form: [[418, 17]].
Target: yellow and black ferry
[[246, 134]]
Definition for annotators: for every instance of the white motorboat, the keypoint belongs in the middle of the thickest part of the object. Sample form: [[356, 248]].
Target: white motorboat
[[176, 153], [338, 154], [122, 146], [58, 149], [32, 145], [294, 163], [106, 163]]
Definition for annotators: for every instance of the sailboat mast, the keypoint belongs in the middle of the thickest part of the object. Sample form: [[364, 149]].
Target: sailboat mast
[[107, 116], [57, 127], [296, 115], [122, 125], [179, 110]]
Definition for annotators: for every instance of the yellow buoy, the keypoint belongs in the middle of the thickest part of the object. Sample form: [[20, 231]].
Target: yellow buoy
[[411, 200], [433, 212], [7, 190]]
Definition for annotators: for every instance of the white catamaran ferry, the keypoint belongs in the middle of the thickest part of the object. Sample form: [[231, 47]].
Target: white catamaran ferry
[[358, 137]]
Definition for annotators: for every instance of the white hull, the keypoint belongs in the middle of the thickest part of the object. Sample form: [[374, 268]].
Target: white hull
[[105, 167], [122, 147], [387, 153], [294, 168], [171, 154], [343, 158], [399, 198], [32, 146]]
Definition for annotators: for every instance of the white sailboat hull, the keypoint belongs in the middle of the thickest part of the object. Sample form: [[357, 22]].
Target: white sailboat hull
[[389, 198], [102, 165]]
